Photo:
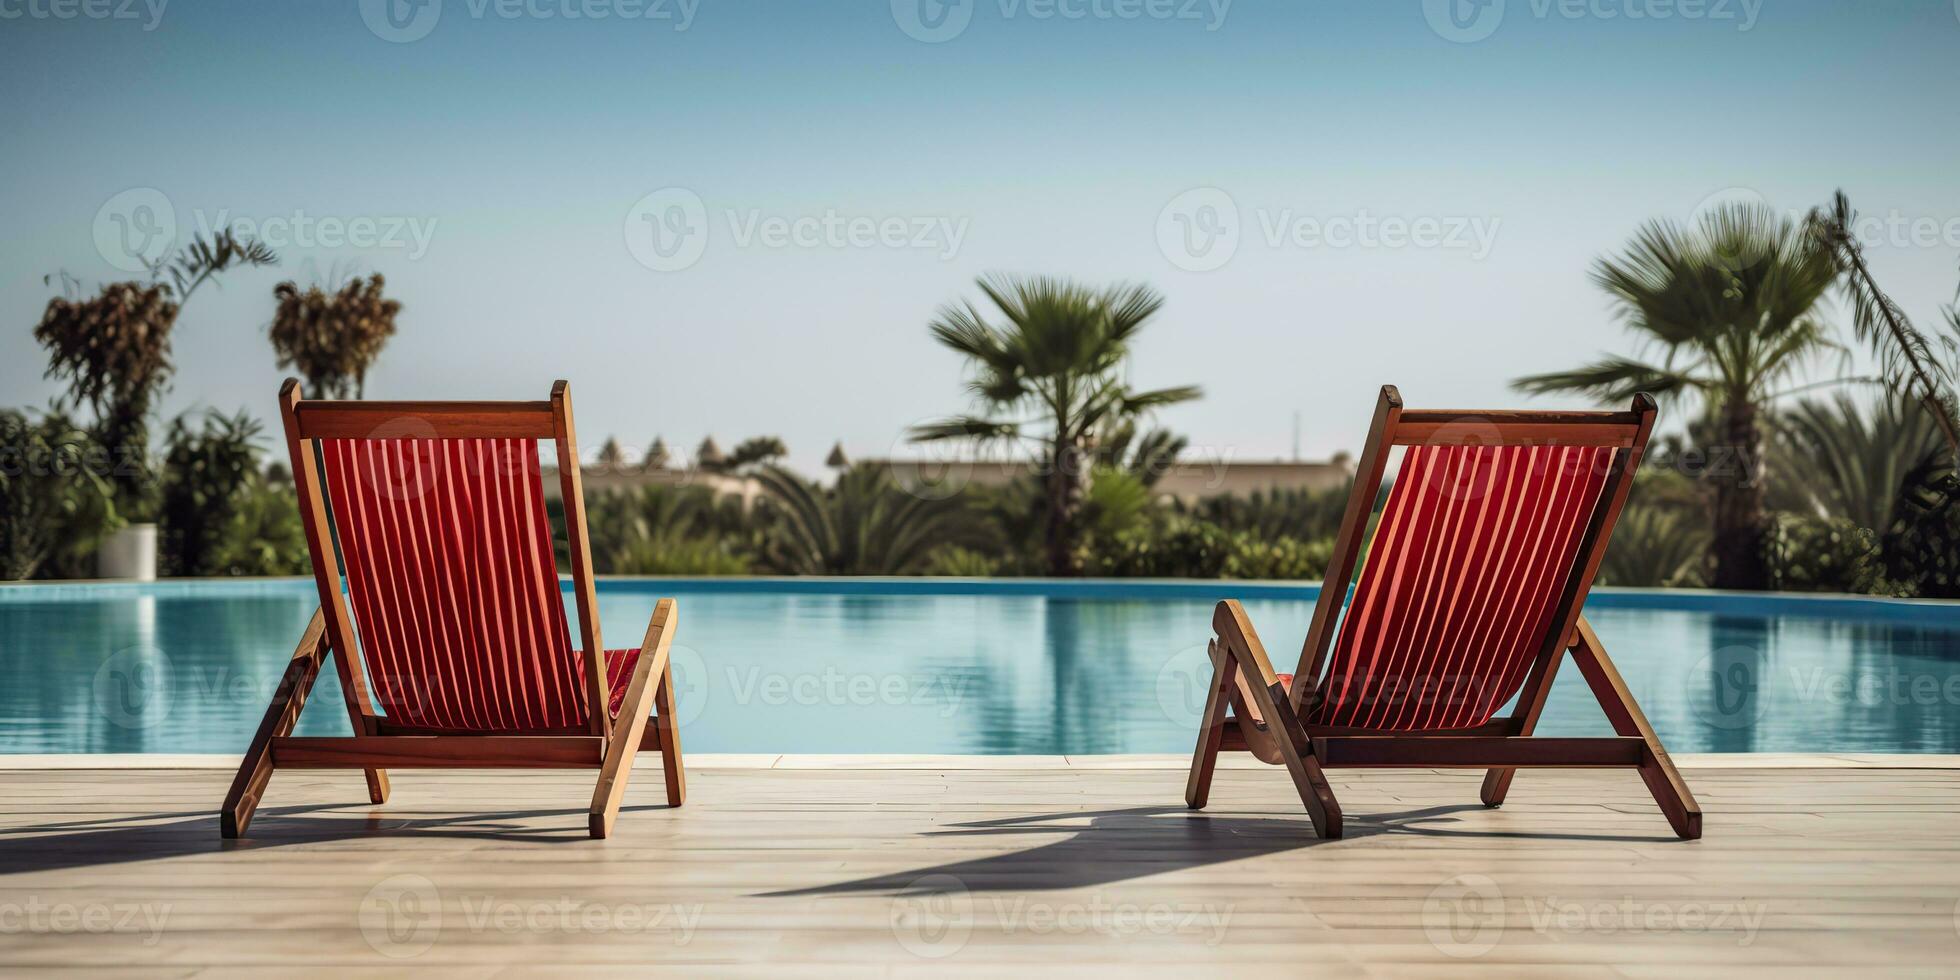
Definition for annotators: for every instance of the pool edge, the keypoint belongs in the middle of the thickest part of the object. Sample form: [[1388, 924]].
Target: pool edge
[[894, 761]]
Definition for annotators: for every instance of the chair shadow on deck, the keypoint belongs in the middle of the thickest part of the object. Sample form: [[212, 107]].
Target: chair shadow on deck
[[1136, 842], [84, 843]]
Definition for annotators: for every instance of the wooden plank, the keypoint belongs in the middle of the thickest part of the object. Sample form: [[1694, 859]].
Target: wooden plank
[[1813, 872], [441, 752], [425, 420], [579, 550], [1477, 752], [1475, 430]]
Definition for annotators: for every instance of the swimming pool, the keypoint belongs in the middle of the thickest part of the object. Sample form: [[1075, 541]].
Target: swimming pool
[[985, 667]]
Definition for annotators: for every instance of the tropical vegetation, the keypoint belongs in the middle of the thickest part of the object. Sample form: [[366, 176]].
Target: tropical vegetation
[[1048, 373], [1777, 470]]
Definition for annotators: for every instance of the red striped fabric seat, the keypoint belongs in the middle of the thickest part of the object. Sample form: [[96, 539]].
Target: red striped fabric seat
[[1460, 584], [453, 586]]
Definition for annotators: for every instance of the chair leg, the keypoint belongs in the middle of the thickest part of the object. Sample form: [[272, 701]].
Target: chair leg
[[1297, 751], [666, 722], [1656, 769], [255, 770], [377, 785], [1211, 729], [1237, 640], [624, 742]]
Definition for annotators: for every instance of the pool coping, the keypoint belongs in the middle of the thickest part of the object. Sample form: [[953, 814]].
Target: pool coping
[[1944, 612], [767, 760]]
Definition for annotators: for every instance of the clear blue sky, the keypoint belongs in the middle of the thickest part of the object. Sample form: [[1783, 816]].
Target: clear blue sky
[[521, 145]]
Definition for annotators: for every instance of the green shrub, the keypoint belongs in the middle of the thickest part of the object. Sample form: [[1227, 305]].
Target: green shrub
[[1825, 554], [207, 473], [55, 500], [1655, 546], [676, 554], [1176, 548], [1307, 515], [957, 562], [1925, 553], [1283, 557], [264, 536]]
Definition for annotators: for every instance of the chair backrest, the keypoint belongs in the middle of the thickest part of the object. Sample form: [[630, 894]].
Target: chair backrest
[[1483, 555], [435, 513]]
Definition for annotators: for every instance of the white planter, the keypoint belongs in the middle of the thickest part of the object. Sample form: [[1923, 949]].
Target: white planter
[[130, 553]]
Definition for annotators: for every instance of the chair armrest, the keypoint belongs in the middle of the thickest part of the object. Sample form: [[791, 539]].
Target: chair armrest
[[1241, 643], [653, 660]]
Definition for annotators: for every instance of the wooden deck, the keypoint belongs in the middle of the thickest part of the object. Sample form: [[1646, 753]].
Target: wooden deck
[[823, 867]]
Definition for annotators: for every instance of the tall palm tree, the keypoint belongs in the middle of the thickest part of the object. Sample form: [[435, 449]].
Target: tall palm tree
[[1051, 374], [1730, 304], [866, 525]]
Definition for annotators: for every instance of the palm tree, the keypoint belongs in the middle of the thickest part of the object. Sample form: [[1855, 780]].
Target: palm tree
[[1730, 304], [1051, 374], [866, 525]]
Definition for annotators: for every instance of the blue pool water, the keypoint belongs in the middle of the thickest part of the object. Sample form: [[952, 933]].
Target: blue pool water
[[1012, 667]]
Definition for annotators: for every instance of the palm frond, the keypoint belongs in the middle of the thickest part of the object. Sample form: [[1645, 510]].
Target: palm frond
[[1610, 379], [965, 427], [1904, 353], [1144, 401]]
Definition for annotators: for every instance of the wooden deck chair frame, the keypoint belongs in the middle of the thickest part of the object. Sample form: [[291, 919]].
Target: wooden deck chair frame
[[1266, 715], [379, 744]]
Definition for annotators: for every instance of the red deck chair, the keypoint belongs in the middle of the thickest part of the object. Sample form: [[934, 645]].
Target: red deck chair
[[435, 510], [1470, 594]]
